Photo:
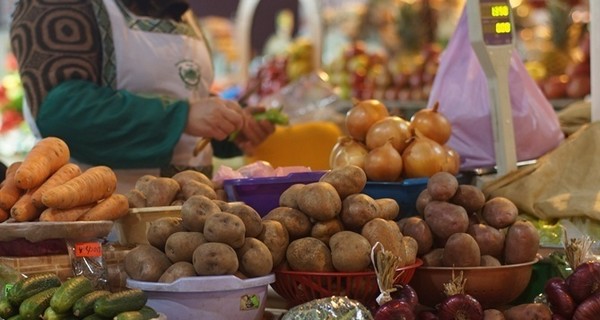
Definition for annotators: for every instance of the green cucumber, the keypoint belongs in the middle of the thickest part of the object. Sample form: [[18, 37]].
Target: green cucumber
[[95, 316], [84, 306], [33, 307], [115, 303], [69, 292], [148, 312], [27, 287], [51, 314], [145, 313], [7, 310], [16, 317]]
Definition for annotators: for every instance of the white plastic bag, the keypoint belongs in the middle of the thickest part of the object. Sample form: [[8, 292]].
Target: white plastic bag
[[461, 88]]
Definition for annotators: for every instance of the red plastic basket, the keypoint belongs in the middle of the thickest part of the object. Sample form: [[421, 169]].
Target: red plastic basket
[[298, 287]]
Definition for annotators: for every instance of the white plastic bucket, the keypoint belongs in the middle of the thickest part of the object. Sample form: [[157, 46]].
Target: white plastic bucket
[[208, 297]]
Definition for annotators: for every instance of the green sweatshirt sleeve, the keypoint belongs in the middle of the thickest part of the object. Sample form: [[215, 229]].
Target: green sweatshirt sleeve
[[119, 129]]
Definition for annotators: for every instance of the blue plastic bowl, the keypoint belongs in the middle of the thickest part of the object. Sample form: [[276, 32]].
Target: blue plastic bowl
[[405, 193], [262, 194]]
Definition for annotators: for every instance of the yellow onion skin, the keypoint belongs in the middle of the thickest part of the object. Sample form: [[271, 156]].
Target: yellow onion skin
[[432, 124], [362, 116], [393, 128], [423, 157], [383, 163], [348, 151]]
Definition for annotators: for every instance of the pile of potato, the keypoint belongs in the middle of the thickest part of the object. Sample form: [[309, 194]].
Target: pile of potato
[[212, 237], [458, 227], [332, 226]]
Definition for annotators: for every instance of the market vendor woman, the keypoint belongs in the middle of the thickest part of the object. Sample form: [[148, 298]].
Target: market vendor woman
[[126, 84]]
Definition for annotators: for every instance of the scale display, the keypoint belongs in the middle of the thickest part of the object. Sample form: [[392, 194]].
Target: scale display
[[496, 23]]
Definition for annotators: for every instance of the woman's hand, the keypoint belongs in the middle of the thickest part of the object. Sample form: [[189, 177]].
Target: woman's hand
[[254, 131], [214, 118]]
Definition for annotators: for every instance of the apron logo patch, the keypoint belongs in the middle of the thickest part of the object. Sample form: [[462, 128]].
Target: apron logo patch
[[189, 72]]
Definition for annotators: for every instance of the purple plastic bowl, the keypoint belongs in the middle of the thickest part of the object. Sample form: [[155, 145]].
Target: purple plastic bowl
[[263, 194]]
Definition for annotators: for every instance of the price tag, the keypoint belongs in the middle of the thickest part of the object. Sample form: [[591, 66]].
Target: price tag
[[88, 249]]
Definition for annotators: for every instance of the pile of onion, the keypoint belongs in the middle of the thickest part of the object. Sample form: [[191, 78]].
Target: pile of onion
[[390, 148], [458, 305], [578, 296]]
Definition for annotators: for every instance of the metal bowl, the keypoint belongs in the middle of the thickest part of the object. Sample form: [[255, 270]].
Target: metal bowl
[[491, 286]]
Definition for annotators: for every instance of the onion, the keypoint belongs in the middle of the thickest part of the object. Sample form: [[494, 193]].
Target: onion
[[348, 151], [460, 307], [362, 116], [383, 163], [392, 128], [558, 297], [407, 294], [452, 163], [584, 281], [427, 315], [423, 157], [432, 124], [395, 310], [588, 309]]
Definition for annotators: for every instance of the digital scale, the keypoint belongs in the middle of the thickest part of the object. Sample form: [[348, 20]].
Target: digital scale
[[491, 34]]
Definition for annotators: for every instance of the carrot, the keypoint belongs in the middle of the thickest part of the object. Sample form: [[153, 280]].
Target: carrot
[[4, 215], [24, 210], [72, 214], [46, 156], [111, 208], [90, 186], [9, 192], [64, 174]]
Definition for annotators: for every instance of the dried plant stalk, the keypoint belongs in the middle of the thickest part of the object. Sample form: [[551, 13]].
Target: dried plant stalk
[[385, 264], [576, 250], [456, 285]]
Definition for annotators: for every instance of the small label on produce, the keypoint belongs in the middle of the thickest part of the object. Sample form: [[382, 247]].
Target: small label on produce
[[249, 302], [88, 249]]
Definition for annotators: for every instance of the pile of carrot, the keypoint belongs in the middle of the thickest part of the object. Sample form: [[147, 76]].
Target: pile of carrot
[[45, 186]]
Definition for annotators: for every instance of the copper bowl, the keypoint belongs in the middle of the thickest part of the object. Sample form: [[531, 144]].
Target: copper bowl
[[491, 286]]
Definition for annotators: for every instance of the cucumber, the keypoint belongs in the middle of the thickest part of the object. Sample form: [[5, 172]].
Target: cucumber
[[84, 306], [69, 292], [130, 315], [7, 310], [148, 312], [51, 314], [16, 317], [95, 316], [33, 307], [27, 287], [115, 303]]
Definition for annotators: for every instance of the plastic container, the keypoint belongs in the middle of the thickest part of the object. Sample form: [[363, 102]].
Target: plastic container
[[404, 192], [263, 194], [297, 287], [133, 227], [208, 297]]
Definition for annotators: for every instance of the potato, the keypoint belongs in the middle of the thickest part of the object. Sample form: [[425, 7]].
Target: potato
[[422, 200], [350, 252], [411, 247], [347, 180], [142, 183], [295, 221], [357, 210], [146, 263], [160, 229], [461, 250], [178, 270], [183, 177], [161, 192], [288, 198], [223, 205], [469, 197], [387, 233], [522, 243], [195, 210], [445, 219], [309, 254], [136, 198], [275, 236], [226, 228], [419, 230], [323, 230], [433, 258], [493, 314], [251, 218], [442, 186], [193, 188], [499, 212], [255, 258], [319, 200], [388, 208], [180, 245], [215, 258], [489, 239], [528, 311], [489, 261]]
